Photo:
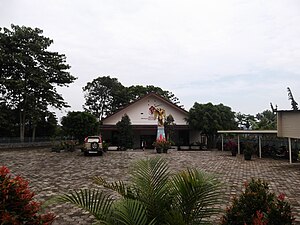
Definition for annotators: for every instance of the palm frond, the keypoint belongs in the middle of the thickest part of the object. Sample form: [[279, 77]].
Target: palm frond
[[129, 212], [119, 186], [150, 180], [196, 195], [93, 201]]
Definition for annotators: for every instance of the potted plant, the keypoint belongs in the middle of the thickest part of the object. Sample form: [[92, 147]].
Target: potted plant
[[162, 145], [105, 146], [231, 146], [248, 150]]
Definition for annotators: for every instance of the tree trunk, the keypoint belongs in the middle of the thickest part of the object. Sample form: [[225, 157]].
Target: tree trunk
[[22, 126], [33, 133]]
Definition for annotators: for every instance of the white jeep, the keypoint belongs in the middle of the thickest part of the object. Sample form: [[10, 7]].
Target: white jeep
[[93, 145]]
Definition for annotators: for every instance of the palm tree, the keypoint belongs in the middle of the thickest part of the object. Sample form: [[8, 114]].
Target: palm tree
[[153, 197]]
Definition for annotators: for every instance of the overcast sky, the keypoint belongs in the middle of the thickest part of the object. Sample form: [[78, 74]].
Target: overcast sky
[[241, 53]]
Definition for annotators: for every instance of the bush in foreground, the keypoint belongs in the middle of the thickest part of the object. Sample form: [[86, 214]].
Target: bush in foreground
[[16, 202], [153, 196], [258, 206]]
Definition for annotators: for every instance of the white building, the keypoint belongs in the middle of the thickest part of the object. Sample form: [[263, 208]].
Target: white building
[[145, 126]]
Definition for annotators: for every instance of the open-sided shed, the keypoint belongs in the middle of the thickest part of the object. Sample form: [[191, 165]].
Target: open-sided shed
[[258, 133], [288, 126]]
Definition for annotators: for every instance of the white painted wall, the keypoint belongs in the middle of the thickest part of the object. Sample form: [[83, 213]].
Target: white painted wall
[[138, 112], [288, 124]]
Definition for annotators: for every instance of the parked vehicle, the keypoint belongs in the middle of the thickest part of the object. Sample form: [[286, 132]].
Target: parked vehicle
[[93, 145]]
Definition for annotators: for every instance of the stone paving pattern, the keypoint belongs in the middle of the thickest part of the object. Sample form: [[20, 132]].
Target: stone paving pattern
[[52, 173]]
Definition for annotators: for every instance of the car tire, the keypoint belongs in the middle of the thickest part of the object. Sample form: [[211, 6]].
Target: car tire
[[94, 146]]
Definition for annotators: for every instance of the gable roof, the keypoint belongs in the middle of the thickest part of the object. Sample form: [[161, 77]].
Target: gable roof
[[168, 102]]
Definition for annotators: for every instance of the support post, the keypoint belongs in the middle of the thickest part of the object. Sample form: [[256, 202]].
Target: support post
[[239, 147], [290, 150], [259, 145], [222, 142]]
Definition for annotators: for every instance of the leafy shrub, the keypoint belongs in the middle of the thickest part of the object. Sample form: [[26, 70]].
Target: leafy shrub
[[16, 202], [162, 144], [152, 197], [68, 145], [258, 206]]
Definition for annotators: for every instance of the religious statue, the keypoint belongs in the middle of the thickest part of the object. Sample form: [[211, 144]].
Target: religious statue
[[159, 114]]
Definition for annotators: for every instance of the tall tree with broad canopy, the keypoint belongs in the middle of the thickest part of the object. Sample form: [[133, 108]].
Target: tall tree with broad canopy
[[103, 96], [79, 125], [29, 74], [137, 91], [209, 118]]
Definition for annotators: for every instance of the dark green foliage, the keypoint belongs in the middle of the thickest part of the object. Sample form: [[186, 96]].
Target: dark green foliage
[[267, 120], [125, 133], [8, 121], [257, 205], [30, 73], [246, 121], [153, 197], [209, 118], [137, 91], [79, 125], [103, 96], [169, 126], [293, 102]]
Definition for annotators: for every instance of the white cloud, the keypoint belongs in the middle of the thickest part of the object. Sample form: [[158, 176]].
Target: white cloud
[[242, 53]]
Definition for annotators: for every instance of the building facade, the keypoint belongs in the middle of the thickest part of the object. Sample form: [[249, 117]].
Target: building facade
[[144, 123]]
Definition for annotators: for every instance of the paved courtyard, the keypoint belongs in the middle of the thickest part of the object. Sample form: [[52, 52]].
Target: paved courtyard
[[52, 173]]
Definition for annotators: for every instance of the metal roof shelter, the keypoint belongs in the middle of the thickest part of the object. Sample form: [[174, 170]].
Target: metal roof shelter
[[259, 133]]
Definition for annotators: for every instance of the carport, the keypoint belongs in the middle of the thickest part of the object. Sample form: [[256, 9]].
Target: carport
[[259, 134]]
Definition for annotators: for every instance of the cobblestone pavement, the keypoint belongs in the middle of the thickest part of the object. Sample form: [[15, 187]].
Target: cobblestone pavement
[[52, 173]]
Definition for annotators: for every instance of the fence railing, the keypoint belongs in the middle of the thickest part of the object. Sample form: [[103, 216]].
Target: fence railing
[[8, 140]]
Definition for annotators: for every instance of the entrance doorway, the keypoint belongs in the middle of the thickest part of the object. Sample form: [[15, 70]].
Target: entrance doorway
[[147, 141]]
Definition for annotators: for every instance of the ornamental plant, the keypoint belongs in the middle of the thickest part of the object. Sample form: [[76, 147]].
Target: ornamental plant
[[16, 202], [152, 196], [162, 144], [231, 146], [258, 206]]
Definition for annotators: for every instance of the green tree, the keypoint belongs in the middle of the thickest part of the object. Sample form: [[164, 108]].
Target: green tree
[[267, 120], [125, 132], [47, 125], [30, 73], [137, 91], [209, 118], [8, 121], [103, 96], [246, 121], [79, 125], [170, 127], [152, 197]]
